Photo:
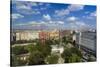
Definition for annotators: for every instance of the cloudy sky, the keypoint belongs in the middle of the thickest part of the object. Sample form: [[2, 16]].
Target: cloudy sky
[[35, 15]]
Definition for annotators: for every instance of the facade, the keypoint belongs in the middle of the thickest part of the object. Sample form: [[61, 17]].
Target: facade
[[13, 36], [23, 57], [64, 33], [26, 35], [54, 34], [21, 35], [87, 41], [43, 36], [33, 35]]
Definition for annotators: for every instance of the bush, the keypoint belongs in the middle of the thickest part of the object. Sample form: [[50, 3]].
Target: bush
[[17, 50], [71, 55], [36, 58], [52, 59]]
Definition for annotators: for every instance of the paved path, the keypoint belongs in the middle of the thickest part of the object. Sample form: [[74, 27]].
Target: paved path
[[21, 44]]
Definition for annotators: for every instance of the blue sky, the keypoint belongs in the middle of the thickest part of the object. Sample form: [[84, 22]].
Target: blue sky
[[36, 15]]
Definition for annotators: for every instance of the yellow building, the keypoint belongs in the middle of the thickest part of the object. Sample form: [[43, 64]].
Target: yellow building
[[54, 34]]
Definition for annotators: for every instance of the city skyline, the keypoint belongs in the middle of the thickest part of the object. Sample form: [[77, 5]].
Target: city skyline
[[36, 15]]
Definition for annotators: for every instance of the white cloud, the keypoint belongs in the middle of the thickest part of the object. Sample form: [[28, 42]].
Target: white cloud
[[22, 11], [87, 12], [62, 12], [82, 25], [72, 18], [16, 16], [47, 5], [23, 6], [76, 24], [51, 22], [69, 9], [60, 22], [43, 8], [93, 14], [32, 4], [79, 25], [42, 22], [47, 17], [26, 11], [26, 7], [75, 7], [21, 24], [55, 22], [35, 23], [31, 23]]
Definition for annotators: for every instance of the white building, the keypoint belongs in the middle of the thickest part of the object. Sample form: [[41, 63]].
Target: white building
[[27, 35], [57, 49], [87, 40]]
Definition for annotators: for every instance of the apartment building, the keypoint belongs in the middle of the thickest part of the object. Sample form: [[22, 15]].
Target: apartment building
[[25, 35], [64, 33], [87, 41], [54, 34]]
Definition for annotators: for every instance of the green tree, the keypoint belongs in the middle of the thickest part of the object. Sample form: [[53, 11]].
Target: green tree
[[52, 59], [31, 48], [49, 42], [66, 54], [64, 40], [44, 49], [19, 50], [36, 58], [74, 58], [71, 55], [76, 51], [69, 38], [56, 41]]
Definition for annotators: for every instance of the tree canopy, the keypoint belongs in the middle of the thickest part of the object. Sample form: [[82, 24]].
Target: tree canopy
[[36, 58], [71, 55], [19, 50], [52, 59]]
